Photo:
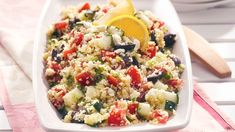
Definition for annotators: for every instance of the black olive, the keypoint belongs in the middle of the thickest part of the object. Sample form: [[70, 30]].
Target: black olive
[[62, 48], [73, 22], [73, 114], [55, 57], [153, 37], [127, 60], [77, 121], [58, 59], [135, 62], [89, 14], [130, 61], [128, 47], [56, 34], [161, 49], [54, 53], [155, 78], [76, 20], [176, 60], [169, 40]]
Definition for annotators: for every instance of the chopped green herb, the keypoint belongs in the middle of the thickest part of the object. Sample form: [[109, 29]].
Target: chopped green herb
[[79, 24], [112, 42], [133, 99], [95, 58], [167, 76], [140, 117], [70, 80], [177, 99], [99, 76], [52, 84], [81, 88], [99, 70], [129, 119]]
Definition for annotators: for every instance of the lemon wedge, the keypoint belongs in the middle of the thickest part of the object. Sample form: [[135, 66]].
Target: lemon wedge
[[121, 7], [133, 28]]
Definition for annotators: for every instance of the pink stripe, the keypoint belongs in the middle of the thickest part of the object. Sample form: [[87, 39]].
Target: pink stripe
[[203, 100], [21, 117]]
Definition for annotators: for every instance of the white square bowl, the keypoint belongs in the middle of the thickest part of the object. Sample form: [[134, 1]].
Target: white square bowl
[[48, 116]]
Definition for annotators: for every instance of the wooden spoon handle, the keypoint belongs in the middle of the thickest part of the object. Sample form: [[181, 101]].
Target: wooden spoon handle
[[202, 53]]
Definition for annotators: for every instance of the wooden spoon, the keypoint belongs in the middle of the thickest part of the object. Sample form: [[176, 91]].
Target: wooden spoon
[[202, 53]]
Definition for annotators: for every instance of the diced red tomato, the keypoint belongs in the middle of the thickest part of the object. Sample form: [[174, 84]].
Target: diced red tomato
[[158, 24], [77, 41], [84, 78], [132, 108], [113, 80], [135, 76], [56, 67], [161, 23], [66, 53], [175, 83], [57, 99], [71, 33], [161, 116], [117, 117], [116, 104], [98, 36], [61, 25], [55, 78], [105, 9], [106, 53], [86, 6], [151, 51]]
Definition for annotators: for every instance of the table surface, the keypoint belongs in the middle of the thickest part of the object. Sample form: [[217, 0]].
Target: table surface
[[217, 25]]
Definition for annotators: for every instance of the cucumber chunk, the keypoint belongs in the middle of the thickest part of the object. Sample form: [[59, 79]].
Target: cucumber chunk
[[144, 110], [171, 96], [97, 106], [105, 42], [72, 97]]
